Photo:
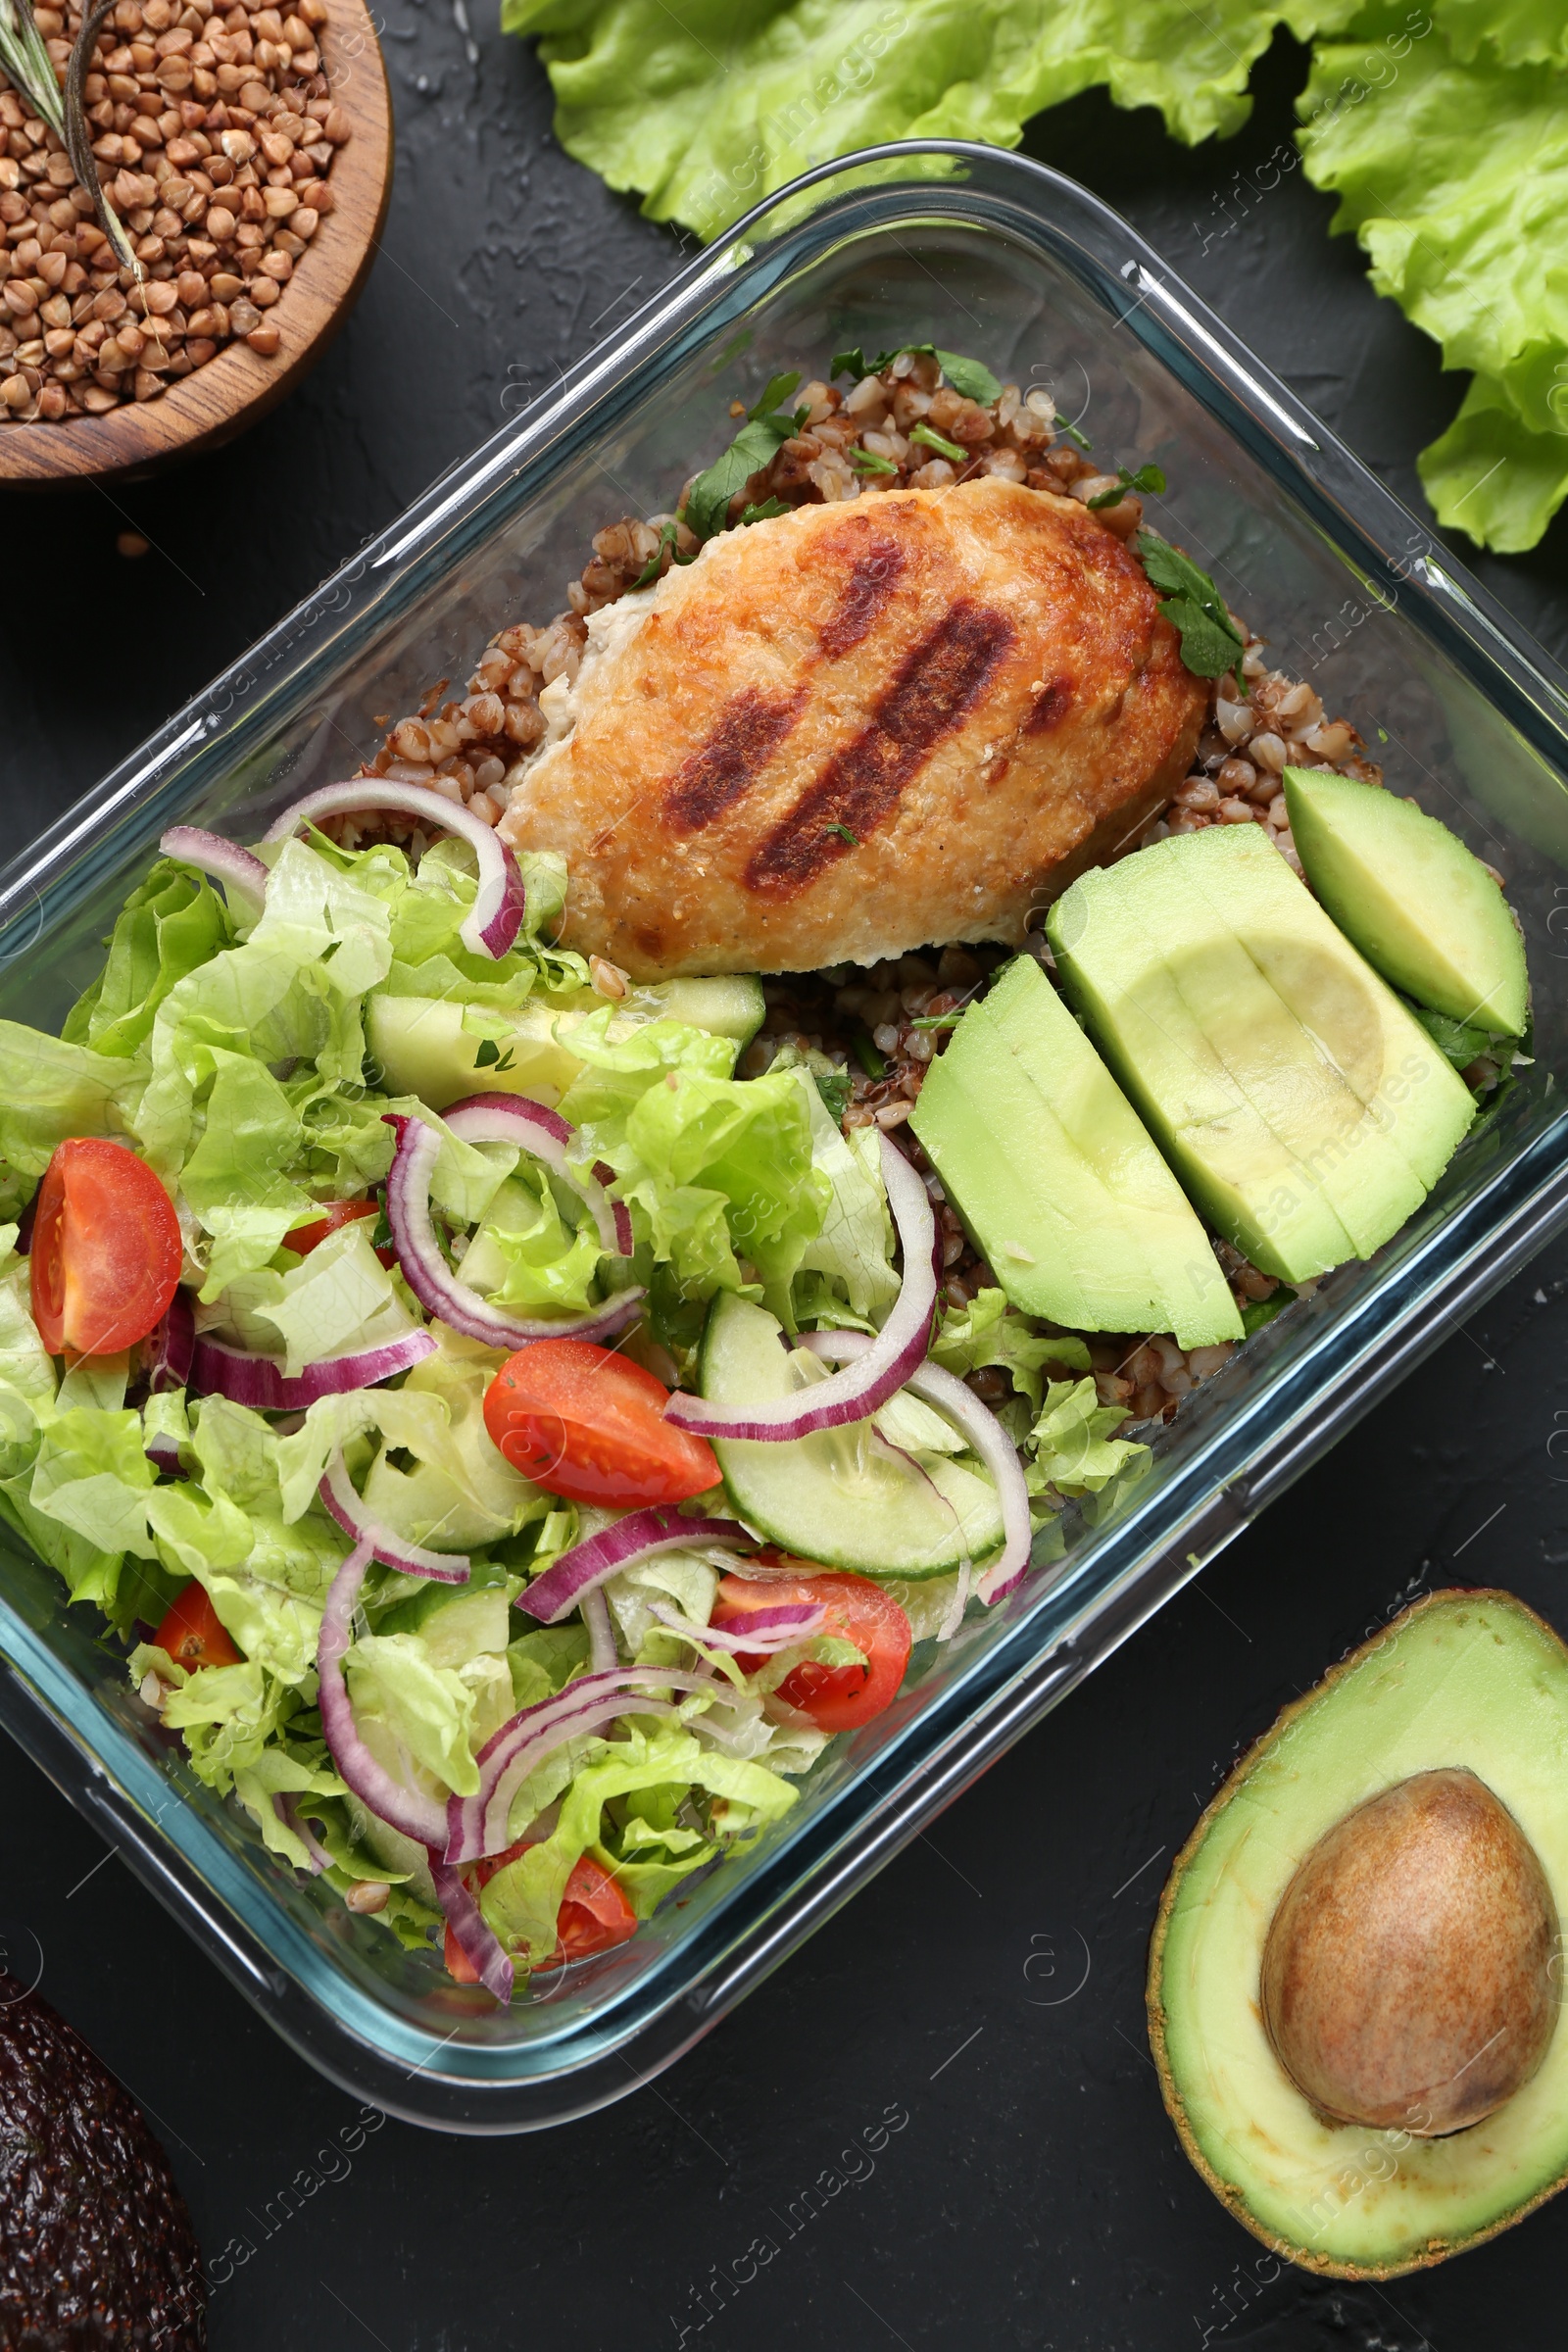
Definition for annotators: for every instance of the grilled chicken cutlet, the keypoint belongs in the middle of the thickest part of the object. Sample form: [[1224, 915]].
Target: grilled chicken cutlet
[[858, 729]]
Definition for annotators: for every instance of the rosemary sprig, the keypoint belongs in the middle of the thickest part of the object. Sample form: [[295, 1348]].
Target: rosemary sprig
[[78, 146], [28, 63]]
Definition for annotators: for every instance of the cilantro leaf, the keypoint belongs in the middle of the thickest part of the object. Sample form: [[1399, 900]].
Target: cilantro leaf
[[1193, 606], [765, 512], [1148, 480], [972, 377], [834, 1087], [754, 445]]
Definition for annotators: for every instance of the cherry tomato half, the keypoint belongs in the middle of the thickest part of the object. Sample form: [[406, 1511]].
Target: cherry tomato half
[[594, 1915], [836, 1699], [583, 1422], [192, 1632], [335, 1215], [105, 1250]]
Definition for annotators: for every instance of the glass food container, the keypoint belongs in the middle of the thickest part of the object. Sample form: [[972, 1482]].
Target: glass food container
[[984, 253]]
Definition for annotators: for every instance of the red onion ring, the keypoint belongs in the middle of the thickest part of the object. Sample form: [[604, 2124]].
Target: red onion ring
[[432, 1279], [393, 1550], [887, 1360], [258, 1381], [289, 1813], [495, 918], [637, 1536], [474, 1938], [544, 1135], [164, 1455], [989, 1440], [408, 1810], [765, 1630], [224, 860], [477, 1825], [169, 1348]]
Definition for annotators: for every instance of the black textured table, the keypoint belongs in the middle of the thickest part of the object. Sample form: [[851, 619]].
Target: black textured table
[[956, 2067]]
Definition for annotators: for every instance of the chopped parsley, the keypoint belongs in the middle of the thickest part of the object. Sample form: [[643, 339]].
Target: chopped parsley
[[932, 439]]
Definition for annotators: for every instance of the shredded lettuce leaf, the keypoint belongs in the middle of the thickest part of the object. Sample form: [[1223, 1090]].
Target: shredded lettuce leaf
[[991, 1333], [521, 1902], [1071, 1446]]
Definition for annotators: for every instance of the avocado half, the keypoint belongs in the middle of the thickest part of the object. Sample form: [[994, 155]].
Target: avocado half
[[1468, 1681]]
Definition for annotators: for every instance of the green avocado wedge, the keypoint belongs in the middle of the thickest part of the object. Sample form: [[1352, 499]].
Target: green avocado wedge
[[843, 1497], [1423, 911], [1059, 1180], [1302, 1108], [1472, 1682]]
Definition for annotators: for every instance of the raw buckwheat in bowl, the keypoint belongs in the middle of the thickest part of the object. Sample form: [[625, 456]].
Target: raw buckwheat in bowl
[[958, 636]]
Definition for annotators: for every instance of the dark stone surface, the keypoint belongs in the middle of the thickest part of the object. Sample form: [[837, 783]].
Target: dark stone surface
[[1035, 2195]]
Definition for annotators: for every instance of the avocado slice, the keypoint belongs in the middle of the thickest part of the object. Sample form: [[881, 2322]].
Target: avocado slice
[[1304, 1110], [1464, 1685], [1057, 1179], [425, 1049], [1423, 911]]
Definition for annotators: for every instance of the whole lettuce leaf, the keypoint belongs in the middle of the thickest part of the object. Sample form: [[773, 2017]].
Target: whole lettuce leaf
[[709, 107], [1449, 150]]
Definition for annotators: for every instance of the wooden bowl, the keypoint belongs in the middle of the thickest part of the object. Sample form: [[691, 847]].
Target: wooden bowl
[[237, 386]]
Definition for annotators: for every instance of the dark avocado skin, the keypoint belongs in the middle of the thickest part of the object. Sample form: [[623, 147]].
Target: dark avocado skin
[[96, 2246]]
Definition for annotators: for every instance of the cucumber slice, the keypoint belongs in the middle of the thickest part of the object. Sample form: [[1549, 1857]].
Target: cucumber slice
[[424, 1048], [837, 1496]]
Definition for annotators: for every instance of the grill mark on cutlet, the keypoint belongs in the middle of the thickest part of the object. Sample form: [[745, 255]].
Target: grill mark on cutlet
[[931, 693], [873, 576], [744, 738]]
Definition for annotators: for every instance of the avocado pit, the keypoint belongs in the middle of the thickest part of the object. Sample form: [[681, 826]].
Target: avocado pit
[[1406, 1977]]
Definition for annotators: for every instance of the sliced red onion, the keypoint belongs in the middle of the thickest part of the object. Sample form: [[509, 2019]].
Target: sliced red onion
[[224, 860], [603, 1654], [393, 1550], [291, 1816], [637, 1536], [477, 1825], [168, 1351], [513, 1119], [986, 1436], [432, 1279], [164, 1455], [258, 1381], [474, 1938], [402, 1808], [624, 1243], [764, 1630], [495, 918], [887, 1360]]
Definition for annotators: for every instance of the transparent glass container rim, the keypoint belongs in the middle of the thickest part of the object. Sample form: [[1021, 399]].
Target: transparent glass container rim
[[1254, 405]]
